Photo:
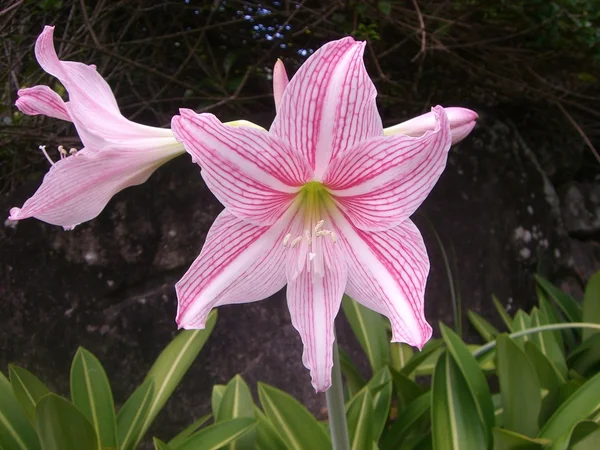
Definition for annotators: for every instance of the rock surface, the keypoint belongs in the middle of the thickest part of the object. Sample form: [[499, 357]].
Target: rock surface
[[108, 285]]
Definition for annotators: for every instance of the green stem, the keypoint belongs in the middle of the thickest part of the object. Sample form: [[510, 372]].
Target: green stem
[[336, 408], [555, 326]]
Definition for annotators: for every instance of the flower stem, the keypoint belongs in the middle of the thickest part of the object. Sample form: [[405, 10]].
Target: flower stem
[[336, 408]]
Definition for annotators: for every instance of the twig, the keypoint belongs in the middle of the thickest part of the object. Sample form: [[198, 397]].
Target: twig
[[579, 130]]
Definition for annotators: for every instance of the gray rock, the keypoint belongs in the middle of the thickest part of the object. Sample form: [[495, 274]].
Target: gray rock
[[581, 208]]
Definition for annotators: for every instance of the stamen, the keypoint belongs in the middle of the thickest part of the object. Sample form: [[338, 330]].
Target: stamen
[[295, 241], [43, 149], [72, 151], [62, 151], [286, 239], [307, 236], [319, 225]]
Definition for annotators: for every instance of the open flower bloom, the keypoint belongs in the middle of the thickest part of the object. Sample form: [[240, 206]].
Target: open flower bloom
[[117, 152], [320, 202]]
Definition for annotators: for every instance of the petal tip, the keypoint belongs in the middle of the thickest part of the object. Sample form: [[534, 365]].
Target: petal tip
[[16, 214]]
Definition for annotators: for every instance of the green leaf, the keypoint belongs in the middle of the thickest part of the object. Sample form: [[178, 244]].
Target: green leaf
[[160, 445], [267, 437], [509, 440], [188, 431], [567, 304], [359, 415], [16, 432], [578, 406], [547, 342], [483, 327], [170, 366], [381, 390], [218, 435], [521, 321], [61, 426], [585, 436], [405, 423], [474, 378], [591, 304], [585, 358], [555, 398], [455, 421], [91, 393], [216, 397], [406, 390], [548, 374], [519, 386], [132, 414], [369, 328], [400, 354], [503, 314], [296, 426], [28, 389], [237, 402], [432, 350], [354, 380]]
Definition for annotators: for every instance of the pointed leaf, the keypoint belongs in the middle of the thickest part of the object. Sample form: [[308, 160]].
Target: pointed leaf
[[519, 386], [132, 415], [172, 364], [188, 431], [369, 329], [218, 435], [548, 374], [509, 440], [521, 321], [359, 415], [483, 327], [503, 313], [400, 354], [454, 417], [160, 445], [432, 349], [381, 389], [28, 389], [295, 425], [547, 342], [16, 431], [267, 437], [591, 304], [578, 406], [91, 393], [474, 378], [61, 426], [405, 423], [567, 304], [216, 397], [237, 402]]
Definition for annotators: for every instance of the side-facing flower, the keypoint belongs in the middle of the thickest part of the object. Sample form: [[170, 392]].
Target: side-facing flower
[[117, 152], [321, 202]]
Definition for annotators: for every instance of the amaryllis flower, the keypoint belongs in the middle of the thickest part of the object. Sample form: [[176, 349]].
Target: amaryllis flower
[[320, 202], [117, 152]]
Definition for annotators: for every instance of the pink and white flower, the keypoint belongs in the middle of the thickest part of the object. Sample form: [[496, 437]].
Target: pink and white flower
[[117, 152], [321, 202]]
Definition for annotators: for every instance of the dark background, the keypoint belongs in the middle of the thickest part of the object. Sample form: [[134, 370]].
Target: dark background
[[521, 195]]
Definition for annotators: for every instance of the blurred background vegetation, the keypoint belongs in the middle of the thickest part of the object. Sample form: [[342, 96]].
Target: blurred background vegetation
[[534, 62]]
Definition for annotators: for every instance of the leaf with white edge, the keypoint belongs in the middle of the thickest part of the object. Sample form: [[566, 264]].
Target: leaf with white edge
[[359, 416], [216, 397], [381, 388], [430, 353], [237, 402], [583, 402], [503, 314], [132, 415], [474, 378], [369, 328], [172, 364], [519, 386], [509, 440], [28, 389], [394, 436], [189, 430], [298, 429], [160, 445], [267, 437], [521, 321], [16, 432], [547, 342], [218, 435], [61, 426], [567, 304], [487, 331], [91, 393], [454, 417], [591, 304]]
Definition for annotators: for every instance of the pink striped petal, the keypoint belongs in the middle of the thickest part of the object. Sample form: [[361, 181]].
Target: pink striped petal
[[280, 82], [252, 173], [329, 105], [462, 121], [382, 181], [314, 301], [387, 272], [42, 100], [92, 105], [239, 263], [77, 188]]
